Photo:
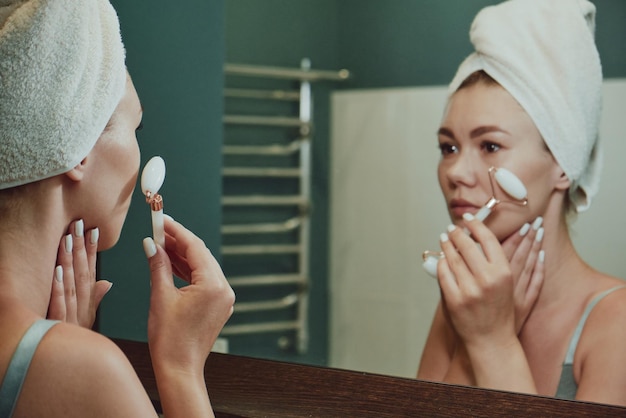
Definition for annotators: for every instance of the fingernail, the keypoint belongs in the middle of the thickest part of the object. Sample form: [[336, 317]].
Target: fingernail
[[94, 235], [537, 223], [524, 229], [539, 235], [468, 216], [451, 227], [149, 247], [443, 237], [58, 274], [165, 215], [110, 286], [69, 243], [79, 228], [542, 256]]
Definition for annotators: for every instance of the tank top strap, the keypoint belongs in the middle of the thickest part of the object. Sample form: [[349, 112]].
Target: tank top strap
[[20, 362], [571, 350]]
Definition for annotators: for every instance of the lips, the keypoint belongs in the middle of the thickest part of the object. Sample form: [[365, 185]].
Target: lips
[[460, 206]]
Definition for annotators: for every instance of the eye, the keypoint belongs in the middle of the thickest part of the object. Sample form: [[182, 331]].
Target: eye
[[447, 149], [490, 147]]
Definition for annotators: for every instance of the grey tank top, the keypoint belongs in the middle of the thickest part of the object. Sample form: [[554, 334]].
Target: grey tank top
[[567, 384], [18, 367]]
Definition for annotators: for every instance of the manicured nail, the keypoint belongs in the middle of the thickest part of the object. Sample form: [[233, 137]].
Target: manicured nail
[[524, 229], [149, 247], [110, 286], [468, 216], [537, 223], [69, 243], [58, 274], [451, 227], [94, 235], [79, 228], [443, 237], [539, 235], [542, 256]]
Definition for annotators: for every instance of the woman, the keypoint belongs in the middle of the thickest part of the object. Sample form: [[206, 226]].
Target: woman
[[523, 312], [69, 161]]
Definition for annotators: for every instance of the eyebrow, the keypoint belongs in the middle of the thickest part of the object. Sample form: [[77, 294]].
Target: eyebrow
[[481, 130]]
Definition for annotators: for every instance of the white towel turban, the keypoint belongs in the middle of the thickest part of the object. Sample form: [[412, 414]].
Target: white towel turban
[[62, 73], [544, 54]]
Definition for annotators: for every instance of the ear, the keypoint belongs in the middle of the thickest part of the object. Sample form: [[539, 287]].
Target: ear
[[78, 172], [563, 182]]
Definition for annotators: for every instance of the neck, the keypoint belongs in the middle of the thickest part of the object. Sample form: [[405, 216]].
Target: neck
[[29, 241], [564, 268]]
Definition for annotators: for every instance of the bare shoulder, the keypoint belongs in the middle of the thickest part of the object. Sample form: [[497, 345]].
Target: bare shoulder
[[600, 361], [77, 372]]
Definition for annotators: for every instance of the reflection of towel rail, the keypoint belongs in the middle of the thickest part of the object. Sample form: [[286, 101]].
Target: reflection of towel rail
[[281, 121], [261, 172], [262, 94], [260, 249], [267, 305], [263, 200], [260, 327], [290, 148], [265, 228], [288, 73], [265, 280]]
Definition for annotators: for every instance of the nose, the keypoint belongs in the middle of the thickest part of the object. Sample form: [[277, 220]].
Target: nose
[[463, 170]]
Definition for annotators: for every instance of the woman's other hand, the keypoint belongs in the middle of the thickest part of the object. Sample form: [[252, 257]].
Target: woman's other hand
[[76, 294], [526, 258]]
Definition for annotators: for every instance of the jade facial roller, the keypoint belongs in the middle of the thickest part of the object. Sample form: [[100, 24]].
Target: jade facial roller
[[152, 178], [510, 184]]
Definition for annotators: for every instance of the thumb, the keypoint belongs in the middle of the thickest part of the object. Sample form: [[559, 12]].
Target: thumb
[[102, 287], [160, 266]]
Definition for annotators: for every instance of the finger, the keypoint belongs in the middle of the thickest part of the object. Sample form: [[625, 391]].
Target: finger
[[536, 282], [453, 264], [65, 259], [510, 245], [191, 248], [56, 308], [91, 248], [160, 268], [491, 248], [84, 277], [530, 261], [465, 256]]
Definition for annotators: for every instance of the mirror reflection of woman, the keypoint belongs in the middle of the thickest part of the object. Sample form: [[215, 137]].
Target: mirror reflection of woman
[[522, 311], [69, 161]]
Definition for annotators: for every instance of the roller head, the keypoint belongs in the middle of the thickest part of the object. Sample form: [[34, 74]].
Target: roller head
[[153, 175], [510, 183]]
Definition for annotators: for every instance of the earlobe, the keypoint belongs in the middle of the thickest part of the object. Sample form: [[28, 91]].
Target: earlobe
[[78, 172]]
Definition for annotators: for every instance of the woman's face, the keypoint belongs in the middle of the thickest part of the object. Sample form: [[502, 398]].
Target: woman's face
[[483, 127], [114, 168]]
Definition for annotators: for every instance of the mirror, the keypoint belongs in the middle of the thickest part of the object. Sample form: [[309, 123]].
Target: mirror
[[401, 55]]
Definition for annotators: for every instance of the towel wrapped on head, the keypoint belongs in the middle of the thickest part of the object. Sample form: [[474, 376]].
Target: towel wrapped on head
[[62, 74], [544, 54]]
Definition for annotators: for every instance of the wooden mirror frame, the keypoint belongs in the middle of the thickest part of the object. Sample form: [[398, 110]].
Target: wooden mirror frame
[[249, 387]]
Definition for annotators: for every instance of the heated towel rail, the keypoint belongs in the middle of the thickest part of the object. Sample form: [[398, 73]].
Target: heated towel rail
[[268, 127]]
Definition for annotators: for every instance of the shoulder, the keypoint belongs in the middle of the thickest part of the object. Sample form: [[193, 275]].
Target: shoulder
[[78, 367], [600, 362]]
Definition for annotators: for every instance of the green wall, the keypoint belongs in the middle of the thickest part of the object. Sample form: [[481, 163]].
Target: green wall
[[175, 55]]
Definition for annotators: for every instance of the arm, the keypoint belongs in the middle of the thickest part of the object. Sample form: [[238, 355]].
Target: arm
[[184, 323], [438, 349]]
